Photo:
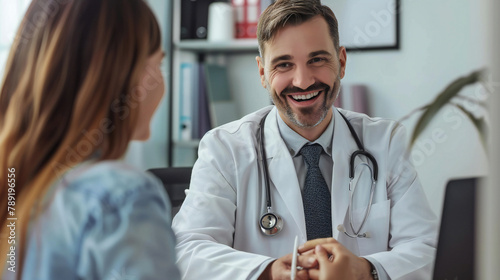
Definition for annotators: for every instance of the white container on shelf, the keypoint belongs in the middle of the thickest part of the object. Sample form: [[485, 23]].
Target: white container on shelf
[[220, 22]]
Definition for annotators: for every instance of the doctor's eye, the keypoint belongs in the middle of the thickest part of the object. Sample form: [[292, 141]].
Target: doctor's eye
[[317, 60], [283, 66]]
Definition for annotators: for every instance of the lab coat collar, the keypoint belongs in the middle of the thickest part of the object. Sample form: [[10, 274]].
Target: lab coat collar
[[282, 171], [295, 141]]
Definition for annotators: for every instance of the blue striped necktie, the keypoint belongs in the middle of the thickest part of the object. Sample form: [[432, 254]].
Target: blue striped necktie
[[316, 196]]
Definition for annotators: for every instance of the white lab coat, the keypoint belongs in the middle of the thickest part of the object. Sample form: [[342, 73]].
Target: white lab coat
[[217, 228]]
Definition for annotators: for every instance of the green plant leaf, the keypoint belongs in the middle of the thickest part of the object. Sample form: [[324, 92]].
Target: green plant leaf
[[441, 100], [479, 123]]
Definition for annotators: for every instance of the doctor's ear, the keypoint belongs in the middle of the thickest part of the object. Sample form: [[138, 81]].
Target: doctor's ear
[[343, 61], [260, 65]]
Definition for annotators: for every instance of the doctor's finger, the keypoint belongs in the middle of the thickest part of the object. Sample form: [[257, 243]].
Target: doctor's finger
[[336, 253], [310, 252], [302, 261], [312, 243], [302, 275], [299, 275], [322, 255], [334, 263], [307, 261], [313, 274], [281, 269], [286, 259], [337, 273]]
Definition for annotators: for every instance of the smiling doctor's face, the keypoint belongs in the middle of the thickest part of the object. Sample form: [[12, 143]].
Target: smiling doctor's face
[[302, 70]]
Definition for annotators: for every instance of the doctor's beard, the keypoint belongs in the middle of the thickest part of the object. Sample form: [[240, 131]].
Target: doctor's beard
[[331, 95]]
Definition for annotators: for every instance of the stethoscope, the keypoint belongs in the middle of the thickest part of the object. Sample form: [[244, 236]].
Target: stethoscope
[[271, 223]]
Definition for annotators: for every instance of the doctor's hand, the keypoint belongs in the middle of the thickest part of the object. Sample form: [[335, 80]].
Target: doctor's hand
[[281, 268], [334, 264], [340, 262]]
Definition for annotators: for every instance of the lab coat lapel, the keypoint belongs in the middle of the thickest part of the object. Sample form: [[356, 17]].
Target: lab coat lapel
[[282, 171], [342, 148]]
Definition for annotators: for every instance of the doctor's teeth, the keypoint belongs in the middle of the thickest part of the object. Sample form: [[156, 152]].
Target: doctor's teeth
[[306, 96]]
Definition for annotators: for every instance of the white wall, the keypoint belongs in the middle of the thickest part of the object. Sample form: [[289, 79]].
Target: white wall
[[154, 152], [440, 41], [250, 95], [11, 14], [488, 239]]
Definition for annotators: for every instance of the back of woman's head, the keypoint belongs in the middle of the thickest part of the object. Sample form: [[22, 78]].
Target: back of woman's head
[[68, 91]]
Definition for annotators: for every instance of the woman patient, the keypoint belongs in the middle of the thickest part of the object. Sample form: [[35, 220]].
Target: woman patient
[[82, 80]]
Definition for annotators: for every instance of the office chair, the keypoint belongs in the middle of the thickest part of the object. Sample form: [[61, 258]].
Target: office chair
[[175, 180]]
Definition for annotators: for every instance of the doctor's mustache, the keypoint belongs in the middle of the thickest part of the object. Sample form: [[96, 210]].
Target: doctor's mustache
[[314, 87]]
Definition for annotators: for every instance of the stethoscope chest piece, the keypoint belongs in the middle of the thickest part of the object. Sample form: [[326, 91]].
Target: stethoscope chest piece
[[270, 223]]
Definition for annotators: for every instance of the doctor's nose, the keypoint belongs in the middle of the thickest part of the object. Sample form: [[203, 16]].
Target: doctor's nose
[[303, 78]]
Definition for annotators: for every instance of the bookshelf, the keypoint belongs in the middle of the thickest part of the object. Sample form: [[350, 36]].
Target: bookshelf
[[237, 55], [204, 46], [191, 144]]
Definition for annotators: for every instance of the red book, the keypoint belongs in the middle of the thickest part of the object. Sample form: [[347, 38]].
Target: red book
[[252, 17], [239, 18]]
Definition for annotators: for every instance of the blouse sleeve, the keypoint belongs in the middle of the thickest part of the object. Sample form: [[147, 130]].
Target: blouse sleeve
[[128, 235]]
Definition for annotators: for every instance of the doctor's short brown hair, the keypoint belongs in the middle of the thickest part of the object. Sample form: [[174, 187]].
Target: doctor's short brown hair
[[293, 12]]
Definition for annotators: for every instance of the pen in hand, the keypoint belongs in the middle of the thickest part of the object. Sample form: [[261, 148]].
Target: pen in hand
[[294, 258]]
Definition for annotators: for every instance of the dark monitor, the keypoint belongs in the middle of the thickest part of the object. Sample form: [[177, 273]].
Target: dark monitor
[[456, 247]]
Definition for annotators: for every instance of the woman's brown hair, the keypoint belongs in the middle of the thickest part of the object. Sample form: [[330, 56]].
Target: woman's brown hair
[[67, 96]]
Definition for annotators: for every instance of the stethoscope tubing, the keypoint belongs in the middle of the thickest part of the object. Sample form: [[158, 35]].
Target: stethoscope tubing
[[361, 151], [264, 163]]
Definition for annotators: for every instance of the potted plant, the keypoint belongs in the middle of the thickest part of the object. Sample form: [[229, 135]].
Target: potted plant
[[449, 96]]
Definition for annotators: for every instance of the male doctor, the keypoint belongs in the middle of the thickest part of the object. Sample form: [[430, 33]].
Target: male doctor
[[218, 228]]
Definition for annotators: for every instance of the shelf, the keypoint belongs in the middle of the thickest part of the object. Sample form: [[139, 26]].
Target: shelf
[[187, 144], [204, 46]]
